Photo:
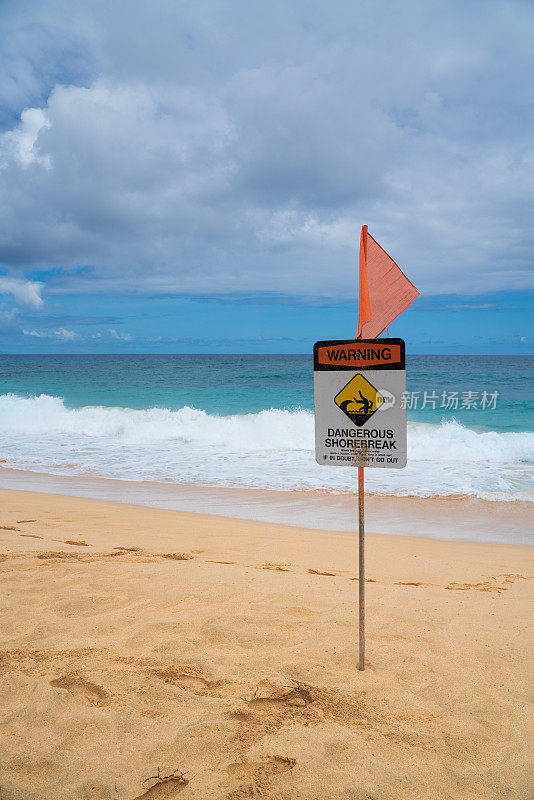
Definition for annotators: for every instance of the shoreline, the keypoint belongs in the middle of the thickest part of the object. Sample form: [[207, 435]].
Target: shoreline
[[135, 639], [452, 518]]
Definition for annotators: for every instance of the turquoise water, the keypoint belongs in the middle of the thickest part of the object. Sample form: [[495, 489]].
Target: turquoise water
[[248, 421], [241, 384]]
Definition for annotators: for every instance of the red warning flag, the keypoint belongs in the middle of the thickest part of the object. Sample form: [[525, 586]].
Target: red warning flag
[[385, 291]]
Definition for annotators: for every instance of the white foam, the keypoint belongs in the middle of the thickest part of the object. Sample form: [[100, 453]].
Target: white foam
[[269, 449]]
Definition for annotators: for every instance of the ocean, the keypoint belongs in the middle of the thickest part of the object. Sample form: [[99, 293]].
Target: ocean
[[247, 421]]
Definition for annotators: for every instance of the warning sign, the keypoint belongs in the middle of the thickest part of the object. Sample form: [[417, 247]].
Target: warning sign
[[358, 387], [358, 405]]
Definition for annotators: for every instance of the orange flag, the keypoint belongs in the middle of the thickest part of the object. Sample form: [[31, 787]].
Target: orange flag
[[385, 291]]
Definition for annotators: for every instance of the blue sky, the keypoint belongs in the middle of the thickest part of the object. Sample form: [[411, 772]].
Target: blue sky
[[267, 324], [193, 177]]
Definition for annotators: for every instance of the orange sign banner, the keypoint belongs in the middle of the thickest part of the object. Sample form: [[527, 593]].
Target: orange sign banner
[[359, 354]]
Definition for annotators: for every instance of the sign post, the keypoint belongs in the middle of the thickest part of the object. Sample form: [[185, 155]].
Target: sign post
[[361, 571], [356, 379], [360, 420]]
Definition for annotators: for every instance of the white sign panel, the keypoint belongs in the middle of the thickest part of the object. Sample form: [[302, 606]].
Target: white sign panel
[[358, 389]]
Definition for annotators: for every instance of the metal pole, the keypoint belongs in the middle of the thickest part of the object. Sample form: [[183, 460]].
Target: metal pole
[[361, 571]]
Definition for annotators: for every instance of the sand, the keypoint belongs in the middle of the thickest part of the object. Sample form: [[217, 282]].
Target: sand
[[155, 654], [464, 518]]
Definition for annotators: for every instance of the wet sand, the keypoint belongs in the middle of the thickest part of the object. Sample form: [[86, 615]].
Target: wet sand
[[451, 518]]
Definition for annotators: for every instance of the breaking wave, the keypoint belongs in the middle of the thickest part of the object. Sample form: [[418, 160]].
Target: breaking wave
[[270, 449]]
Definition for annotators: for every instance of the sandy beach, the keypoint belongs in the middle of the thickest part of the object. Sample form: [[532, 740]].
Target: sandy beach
[[149, 654], [263, 268]]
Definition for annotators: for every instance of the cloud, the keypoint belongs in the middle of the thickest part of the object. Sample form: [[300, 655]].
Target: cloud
[[19, 144], [27, 293], [64, 335], [216, 149], [61, 334], [123, 336]]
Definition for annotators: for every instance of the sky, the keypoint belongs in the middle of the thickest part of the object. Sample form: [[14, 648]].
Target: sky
[[193, 177]]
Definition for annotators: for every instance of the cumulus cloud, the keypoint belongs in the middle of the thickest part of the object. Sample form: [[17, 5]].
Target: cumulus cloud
[[27, 293], [232, 148], [61, 334], [19, 143], [123, 336]]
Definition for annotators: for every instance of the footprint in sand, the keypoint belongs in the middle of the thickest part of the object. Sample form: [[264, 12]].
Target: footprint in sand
[[128, 549], [408, 583], [178, 556], [297, 695], [79, 687], [254, 777], [492, 584], [317, 572], [74, 542], [250, 769], [275, 567], [315, 704], [165, 786], [193, 683], [51, 555]]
